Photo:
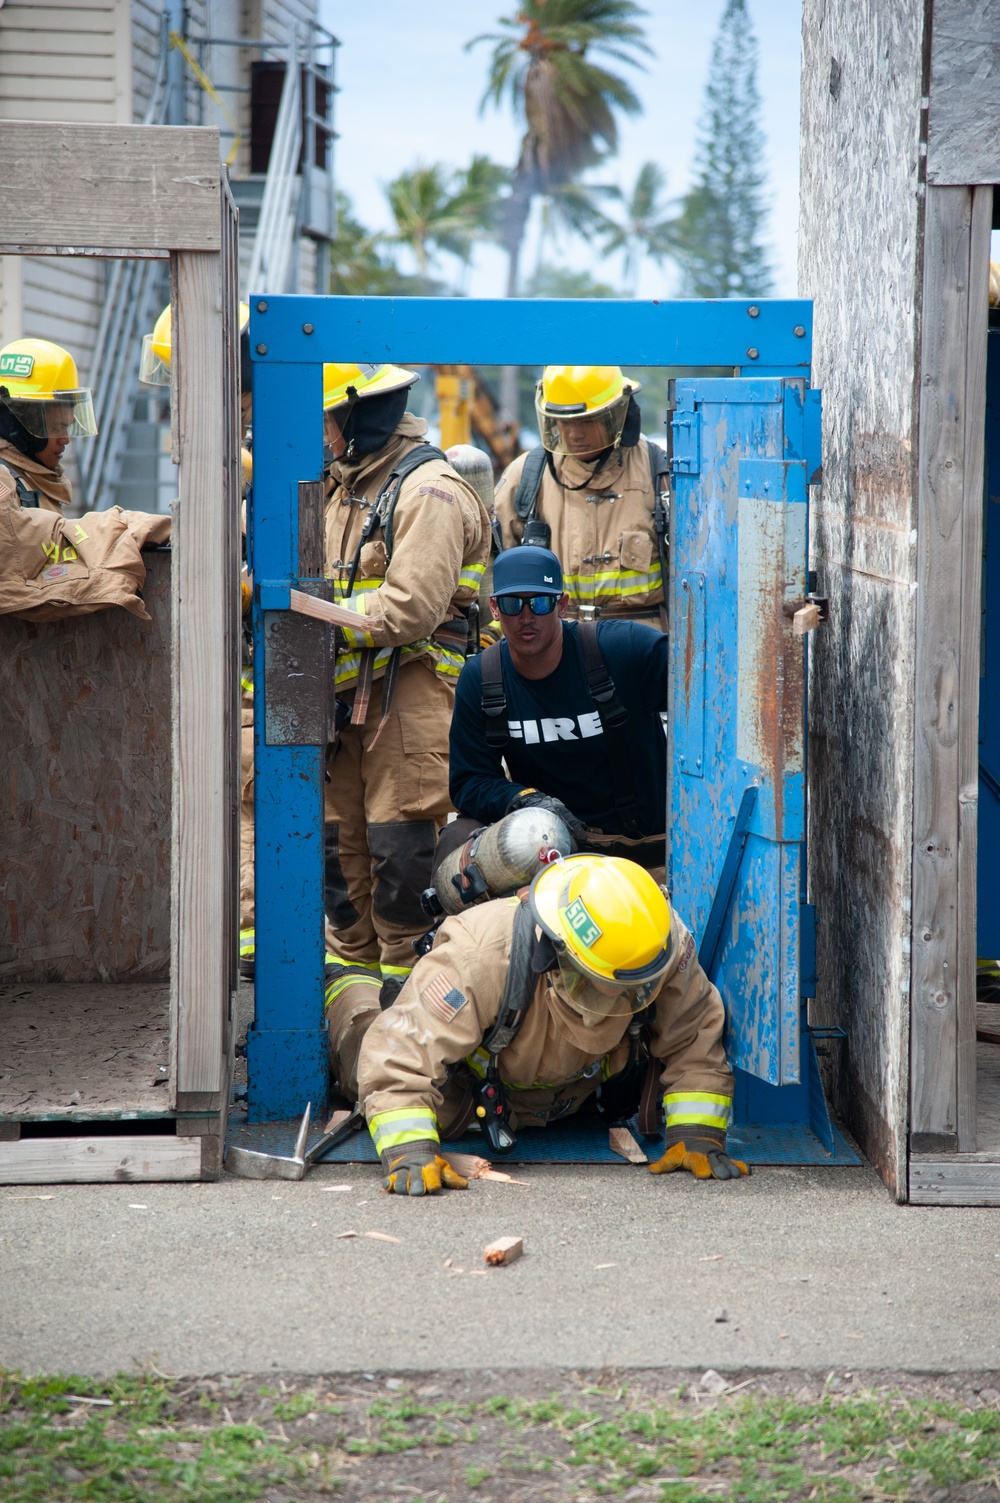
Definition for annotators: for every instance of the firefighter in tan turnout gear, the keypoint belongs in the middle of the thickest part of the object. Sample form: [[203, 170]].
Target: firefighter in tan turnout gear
[[406, 544], [594, 491], [524, 1012], [42, 407]]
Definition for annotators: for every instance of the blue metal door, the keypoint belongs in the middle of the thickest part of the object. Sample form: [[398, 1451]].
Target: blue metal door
[[743, 454]]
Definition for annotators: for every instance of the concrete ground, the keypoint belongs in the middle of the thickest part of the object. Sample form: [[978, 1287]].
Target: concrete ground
[[793, 1268]]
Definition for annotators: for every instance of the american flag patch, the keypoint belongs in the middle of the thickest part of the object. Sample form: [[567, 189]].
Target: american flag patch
[[432, 490], [688, 954], [5, 490], [443, 996]]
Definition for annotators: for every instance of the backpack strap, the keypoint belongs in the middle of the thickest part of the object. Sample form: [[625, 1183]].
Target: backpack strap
[[530, 482], [520, 985], [25, 497], [659, 466], [613, 716], [494, 699], [381, 514]]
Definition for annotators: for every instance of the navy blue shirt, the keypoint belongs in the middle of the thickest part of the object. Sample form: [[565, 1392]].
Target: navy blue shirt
[[556, 741]]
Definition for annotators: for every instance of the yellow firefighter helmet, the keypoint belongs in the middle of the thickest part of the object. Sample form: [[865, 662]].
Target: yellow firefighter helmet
[[40, 384], [582, 408], [154, 362], [609, 923], [365, 380]]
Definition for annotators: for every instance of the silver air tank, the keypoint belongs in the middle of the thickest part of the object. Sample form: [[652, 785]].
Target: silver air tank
[[476, 469], [501, 858]]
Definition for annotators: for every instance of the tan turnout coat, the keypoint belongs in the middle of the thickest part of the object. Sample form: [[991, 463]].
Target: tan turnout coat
[[556, 1061], [603, 534], [441, 540]]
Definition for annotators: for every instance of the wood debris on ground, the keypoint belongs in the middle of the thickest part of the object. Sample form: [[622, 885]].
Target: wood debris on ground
[[621, 1141], [503, 1250], [472, 1166], [381, 1237], [339, 1235], [336, 1120]]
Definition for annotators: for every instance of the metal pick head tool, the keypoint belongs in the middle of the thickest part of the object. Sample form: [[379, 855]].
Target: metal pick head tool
[[251, 1163]]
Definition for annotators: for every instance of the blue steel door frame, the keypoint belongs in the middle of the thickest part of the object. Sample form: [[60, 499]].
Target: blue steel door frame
[[290, 338]]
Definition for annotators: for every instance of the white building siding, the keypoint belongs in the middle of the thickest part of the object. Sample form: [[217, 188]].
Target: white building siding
[[63, 62]]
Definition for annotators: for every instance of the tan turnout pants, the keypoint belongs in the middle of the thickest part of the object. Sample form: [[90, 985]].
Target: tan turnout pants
[[246, 812], [385, 803]]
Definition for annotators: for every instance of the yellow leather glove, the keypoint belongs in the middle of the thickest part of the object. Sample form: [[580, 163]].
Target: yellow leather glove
[[421, 1171], [246, 595], [700, 1154], [489, 634]]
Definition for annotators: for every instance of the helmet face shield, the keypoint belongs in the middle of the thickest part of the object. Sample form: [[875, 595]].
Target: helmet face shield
[[65, 414], [581, 433], [153, 369], [594, 1001]]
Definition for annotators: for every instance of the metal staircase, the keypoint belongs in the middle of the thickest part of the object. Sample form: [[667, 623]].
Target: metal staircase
[[132, 299]]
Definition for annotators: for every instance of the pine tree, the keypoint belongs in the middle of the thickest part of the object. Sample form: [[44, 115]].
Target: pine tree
[[717, 236]]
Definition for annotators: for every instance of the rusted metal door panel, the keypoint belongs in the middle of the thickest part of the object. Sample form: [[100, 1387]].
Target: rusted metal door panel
[[737, 720]]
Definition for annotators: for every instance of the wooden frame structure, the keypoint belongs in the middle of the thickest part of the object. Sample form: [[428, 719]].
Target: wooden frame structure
[[145, 191], [901, 152]]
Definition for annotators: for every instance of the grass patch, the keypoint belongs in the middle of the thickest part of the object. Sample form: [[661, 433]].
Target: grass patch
[[130, 1440]]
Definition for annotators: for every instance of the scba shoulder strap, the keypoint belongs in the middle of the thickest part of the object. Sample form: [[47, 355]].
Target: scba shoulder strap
[[383, 511]]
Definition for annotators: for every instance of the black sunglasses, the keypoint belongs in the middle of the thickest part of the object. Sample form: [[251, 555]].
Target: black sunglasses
[[512, 605]]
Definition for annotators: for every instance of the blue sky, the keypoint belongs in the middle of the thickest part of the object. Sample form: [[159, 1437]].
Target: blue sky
[[409, 92]]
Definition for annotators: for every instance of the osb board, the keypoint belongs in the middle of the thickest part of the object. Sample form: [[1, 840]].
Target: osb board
[[963, 128], [79, 1053], [859, 261], [85, 822]]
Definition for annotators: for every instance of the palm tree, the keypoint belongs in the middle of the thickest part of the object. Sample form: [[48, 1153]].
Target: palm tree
[[543, 63], [438, 209], [644, 228]]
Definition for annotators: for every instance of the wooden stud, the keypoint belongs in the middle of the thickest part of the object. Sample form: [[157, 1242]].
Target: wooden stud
[[970, 626], [954, 1180], [621, 1141], [206, 674], [48, 1161], [940, 573]]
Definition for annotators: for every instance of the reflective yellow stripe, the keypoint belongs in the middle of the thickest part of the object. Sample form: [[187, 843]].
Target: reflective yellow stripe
[[351, 974], [396, 970], [471, 577], [612, 583], [246, 942], [449, 664], [697, 1109], [408, 1124], [246, 683]]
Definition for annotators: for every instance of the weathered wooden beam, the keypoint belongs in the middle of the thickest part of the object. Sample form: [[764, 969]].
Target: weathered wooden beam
[[954, 1180], [117, 190], [52, 1161], [205, 678], [970, 627], [946, 689]]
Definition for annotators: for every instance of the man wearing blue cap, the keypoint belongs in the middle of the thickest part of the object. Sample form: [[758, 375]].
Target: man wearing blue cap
[[565, 715]]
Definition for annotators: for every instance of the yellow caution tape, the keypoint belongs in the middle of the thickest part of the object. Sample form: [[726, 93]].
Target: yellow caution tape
[[176, 40]]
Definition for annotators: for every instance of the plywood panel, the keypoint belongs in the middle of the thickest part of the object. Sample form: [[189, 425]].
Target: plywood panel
[[85, 822], [963, 125], [82, 1053], [96, 176], [858, 258]]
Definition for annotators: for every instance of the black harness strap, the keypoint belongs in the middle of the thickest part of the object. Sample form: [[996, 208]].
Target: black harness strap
[[613, 715], [27, 498], [494, 700], [531, 478], [383, 510], [520, 985]]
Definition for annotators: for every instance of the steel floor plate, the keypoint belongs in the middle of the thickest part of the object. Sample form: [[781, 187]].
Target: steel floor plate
[[583, 1141]]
